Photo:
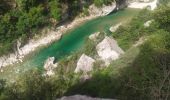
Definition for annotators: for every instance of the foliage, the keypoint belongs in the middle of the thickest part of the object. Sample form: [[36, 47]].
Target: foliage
[[145, 78], [34, 86], [29, 21], [128, 34], [162, 16], [23, 18], [99, 3], [55, 10]]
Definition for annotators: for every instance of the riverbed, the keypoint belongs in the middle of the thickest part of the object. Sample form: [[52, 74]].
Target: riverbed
[[70, 42]]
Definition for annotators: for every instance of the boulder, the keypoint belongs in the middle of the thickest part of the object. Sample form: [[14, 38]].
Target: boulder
[[108, 50], [49, 66], [81, 97], [115, 27], [148, 23], [94, 36], [84, 64], [104, 10]]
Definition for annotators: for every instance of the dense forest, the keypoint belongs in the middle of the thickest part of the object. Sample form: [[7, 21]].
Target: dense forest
[[147, 77]]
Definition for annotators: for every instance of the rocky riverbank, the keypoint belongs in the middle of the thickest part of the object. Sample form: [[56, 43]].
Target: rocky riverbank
[[144, 4], [51, 36]]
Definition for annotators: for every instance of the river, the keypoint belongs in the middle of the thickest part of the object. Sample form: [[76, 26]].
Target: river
[[70, 42]]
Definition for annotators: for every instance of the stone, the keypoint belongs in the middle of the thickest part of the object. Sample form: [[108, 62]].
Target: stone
[[81, 97], [148, 23], [94, 36], [84, 64], [104, 10], [49, 66], [115, 27], [108, 50]]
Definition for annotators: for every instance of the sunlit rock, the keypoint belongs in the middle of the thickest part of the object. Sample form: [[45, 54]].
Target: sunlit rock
[[94, 36], [108, 50], [49, 66], [81, 97], [114, 27], [148, 23], [84, 64], [104, 10]]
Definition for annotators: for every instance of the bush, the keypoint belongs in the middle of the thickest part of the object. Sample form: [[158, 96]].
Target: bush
[[32, 20], [55, 10], [162, 16], [128, 34]]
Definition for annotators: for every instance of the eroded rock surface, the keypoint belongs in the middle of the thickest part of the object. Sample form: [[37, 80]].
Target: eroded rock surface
[[114, 27], [148, 23], [105, 10], [94, 36], [49, 66], [81, 97], [84, 64], [108, 50]]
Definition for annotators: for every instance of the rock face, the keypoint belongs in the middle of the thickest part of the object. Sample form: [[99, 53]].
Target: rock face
[[121, 4], [108, 50], [49, 66], [148, 23], [115, 27], [11, 58], [144, 4], [84, 64], [94, 36], [81, 97], [20, 52], [105, 10]]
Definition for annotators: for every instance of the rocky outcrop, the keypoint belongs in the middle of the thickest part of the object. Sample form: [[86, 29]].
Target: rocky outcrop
[[20, 52], [105, 10], [49, 66], [121, 4], [84, 64], [150, 5], [108, 50], [81, 97], [11, 58], [94, 36], [148, 23], [114, 27]]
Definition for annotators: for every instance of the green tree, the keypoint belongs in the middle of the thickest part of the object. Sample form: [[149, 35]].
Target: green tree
[[162, 16], [31, 20], [55, 10]]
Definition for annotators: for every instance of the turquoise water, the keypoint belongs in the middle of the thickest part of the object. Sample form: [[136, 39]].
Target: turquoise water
[[75, 38]]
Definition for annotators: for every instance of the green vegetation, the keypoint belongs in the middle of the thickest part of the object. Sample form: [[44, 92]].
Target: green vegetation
[[23, 18], [128, 34], [142, 73], [101, 2]]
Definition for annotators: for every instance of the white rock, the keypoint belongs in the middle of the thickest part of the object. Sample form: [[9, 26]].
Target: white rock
[[84, 64], [148, 23], [50, 73], [104, 10], [49, 66], [81, 97], [144, 0], [115, 27], [142, 5], [108, 50], [94, 36]]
